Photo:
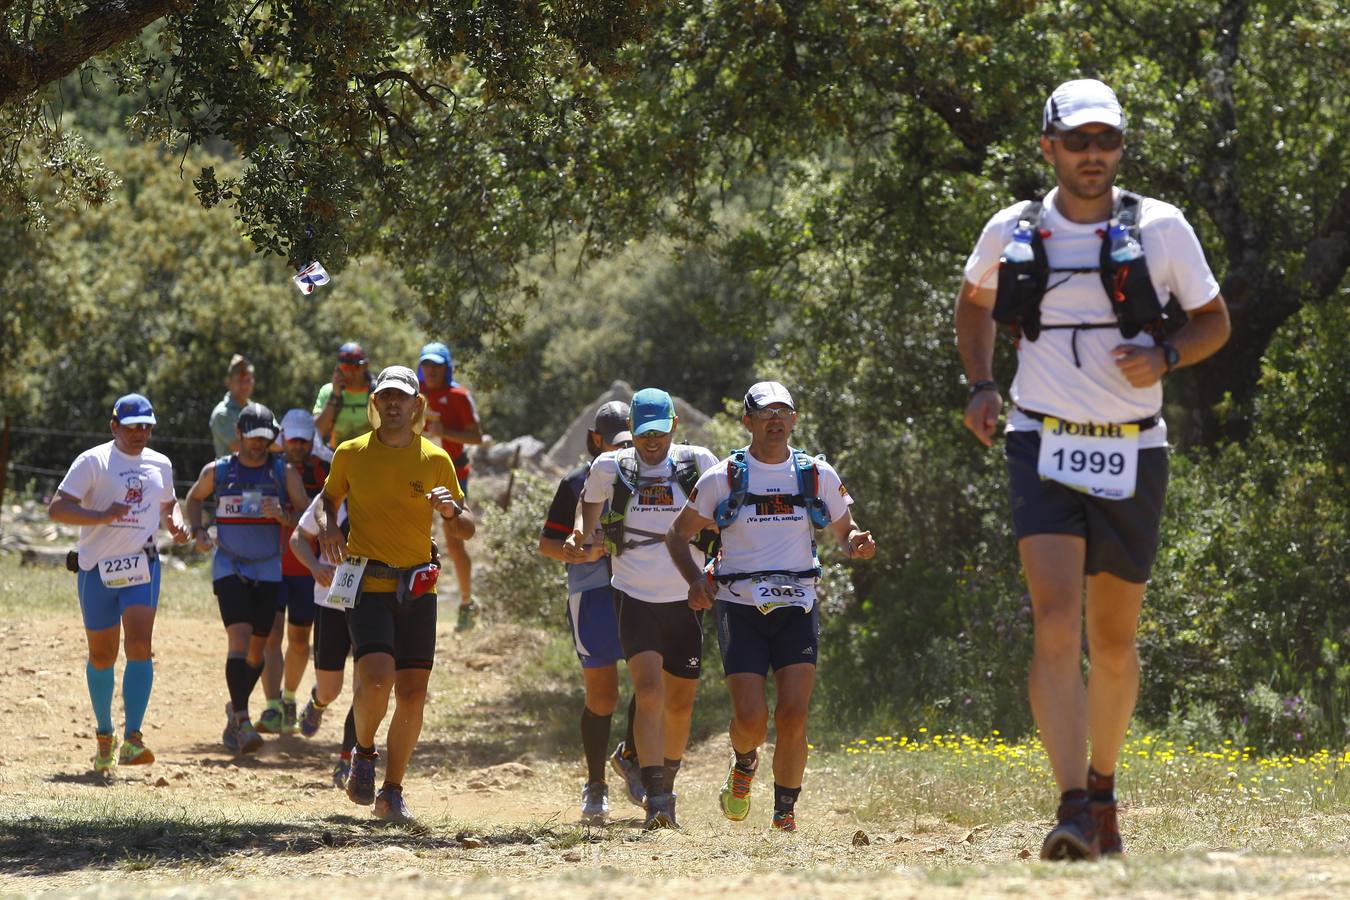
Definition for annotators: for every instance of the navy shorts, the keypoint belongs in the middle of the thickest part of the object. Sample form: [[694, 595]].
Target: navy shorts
[[671, 629], [379, 623], [296, 596], [332, 641], [595, 627], [102, 606], [241, 600], [753, 642], [1121, 535]]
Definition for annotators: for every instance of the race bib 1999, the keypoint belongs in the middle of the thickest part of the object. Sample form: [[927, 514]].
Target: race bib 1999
[[125, 571], [1101, 460]]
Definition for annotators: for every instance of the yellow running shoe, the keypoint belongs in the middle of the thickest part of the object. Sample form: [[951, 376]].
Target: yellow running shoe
[[105, 760], [134, 752], [735, 795]]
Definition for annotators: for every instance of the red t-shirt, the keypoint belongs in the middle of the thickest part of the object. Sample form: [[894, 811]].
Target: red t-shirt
[[455, 406], [313, 472]]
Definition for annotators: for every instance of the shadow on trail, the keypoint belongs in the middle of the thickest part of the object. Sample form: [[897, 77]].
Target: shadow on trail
[[42, 846]]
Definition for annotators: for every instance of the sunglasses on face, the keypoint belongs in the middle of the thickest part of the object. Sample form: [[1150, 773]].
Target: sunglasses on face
[[1078, 141], [652, 435], [348, 361], [769, 413]]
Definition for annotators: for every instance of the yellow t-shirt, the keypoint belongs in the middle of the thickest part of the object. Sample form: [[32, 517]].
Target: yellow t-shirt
[[385, 489]]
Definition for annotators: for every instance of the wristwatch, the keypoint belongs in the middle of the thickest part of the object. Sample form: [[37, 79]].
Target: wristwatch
[[1170, 355], [986, 384]]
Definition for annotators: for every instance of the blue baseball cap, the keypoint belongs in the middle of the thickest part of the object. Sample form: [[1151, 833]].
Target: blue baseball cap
[[652, 410], [436, 352], [133, 409]]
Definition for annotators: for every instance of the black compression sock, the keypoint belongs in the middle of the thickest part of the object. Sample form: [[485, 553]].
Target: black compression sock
[[785, 798], [368, 751], [253, 675], [746, 762], [237, 679], [349, 731], [1101, 787], [654, 780], [391, 786], [672, 769], [630, 742], [595, 743]]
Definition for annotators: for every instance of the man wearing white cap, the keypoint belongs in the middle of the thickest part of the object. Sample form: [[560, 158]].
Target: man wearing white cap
[[1107, 293], [393, 480], [119, 493], [767, 499], [295, 598]]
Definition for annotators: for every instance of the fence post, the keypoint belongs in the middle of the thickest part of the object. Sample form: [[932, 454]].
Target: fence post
[[4, 464]]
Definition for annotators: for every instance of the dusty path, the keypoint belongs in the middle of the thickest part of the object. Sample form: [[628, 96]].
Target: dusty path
[[497, 801]]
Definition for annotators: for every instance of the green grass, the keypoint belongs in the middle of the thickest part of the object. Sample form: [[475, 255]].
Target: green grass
[[51, 590]]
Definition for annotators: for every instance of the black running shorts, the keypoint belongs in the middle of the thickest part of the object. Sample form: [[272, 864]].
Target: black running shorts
[[671, 629], [332, 642], [753, 642], [406, 631], [1121, 535], [241, 600]]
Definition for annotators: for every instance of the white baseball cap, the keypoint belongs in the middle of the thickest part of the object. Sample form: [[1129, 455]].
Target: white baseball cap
[[1080, 102], [767, 393], [297, 424]]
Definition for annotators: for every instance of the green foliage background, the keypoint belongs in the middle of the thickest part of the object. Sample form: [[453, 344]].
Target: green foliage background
[[710, 193]]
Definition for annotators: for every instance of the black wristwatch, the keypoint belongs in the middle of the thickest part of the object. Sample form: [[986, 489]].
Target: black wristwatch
[[986, 384], [1170, 355]]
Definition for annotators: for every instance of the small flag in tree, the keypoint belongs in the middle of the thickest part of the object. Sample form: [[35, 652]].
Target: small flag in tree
[[310, 277]]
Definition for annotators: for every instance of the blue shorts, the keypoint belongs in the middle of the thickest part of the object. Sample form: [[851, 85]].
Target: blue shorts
[[753, 642], [103, 606], [297, 595], [595, 628]]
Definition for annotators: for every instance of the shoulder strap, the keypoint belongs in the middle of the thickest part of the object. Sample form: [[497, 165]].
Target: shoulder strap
[[225, 471]]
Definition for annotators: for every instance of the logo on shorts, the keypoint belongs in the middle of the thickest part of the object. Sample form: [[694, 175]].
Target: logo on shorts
[[415, 489], [693, 661], [135, 491]]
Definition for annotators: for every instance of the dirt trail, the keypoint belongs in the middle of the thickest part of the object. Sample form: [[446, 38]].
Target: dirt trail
[[498, 818]]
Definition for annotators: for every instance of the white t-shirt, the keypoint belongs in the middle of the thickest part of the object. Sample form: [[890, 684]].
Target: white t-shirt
[[648, 573], [104, 475], [308, 526], [767, 536], [1047, 380]]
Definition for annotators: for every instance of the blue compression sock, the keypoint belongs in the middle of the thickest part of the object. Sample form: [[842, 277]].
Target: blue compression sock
[[100, 683], [137, 680]]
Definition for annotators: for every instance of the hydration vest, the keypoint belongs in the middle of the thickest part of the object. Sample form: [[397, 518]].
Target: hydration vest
[[685, 473], [1129, 289], [808, 490], [242, 534]]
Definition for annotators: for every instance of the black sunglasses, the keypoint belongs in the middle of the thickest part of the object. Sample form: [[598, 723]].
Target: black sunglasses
[[1078, 141]]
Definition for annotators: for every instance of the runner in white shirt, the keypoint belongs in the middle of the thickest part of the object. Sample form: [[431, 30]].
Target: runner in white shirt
[[767, 499], [120, 493], [332, 640], [1087, 287], [661, 637]]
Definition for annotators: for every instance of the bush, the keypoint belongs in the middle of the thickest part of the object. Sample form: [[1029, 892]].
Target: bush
[[518, 583]]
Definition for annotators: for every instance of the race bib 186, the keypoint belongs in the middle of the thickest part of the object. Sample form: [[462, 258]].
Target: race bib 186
[[125, 571], [1101, 460]]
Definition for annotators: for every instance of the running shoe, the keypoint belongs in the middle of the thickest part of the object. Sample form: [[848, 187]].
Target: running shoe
[[341, 771], [134, 752], [249, 739], [361, 781], [660, 812], [595, 803], [230, 738], [389, 806], [105, 758], [735, 796], [272, 719], [784, 820], [1108, 830], [1074, 837], [468, 614], [290, 724], [628, 769], [310, 718]]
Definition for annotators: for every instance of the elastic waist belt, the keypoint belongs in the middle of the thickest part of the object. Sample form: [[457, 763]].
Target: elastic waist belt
[[377, 569], [1144, 424], [741, 576]]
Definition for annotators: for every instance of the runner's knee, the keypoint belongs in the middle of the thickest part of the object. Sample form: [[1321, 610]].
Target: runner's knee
[[138, 648]]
